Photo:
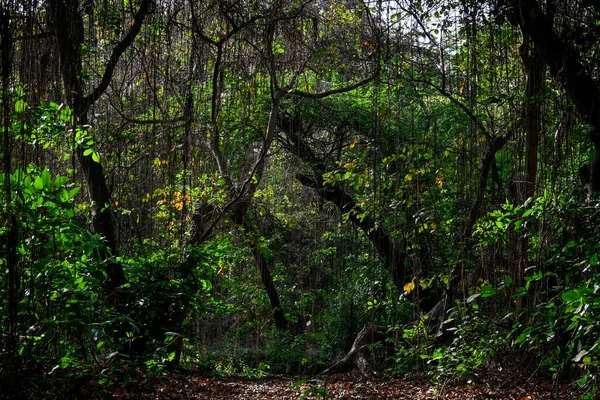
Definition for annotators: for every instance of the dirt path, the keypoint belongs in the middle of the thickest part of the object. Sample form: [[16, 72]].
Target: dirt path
[[186, 385]]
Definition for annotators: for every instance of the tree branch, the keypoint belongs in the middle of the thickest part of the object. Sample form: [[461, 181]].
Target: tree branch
[[116, 55], [327, 93], [460, 105]]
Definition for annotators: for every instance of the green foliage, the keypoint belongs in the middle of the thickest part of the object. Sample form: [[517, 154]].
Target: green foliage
[[474, 342], [163, 301], [562, 327], [285, 353], [414, 344], [61, 318], [179, 132]]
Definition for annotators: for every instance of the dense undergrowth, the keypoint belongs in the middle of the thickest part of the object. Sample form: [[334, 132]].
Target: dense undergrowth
[[66, 326]]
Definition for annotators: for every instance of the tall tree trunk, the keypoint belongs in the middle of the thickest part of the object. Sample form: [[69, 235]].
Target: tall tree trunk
[[69, 31], [11, 242], [534, 68], [567, 66], [267, 280]]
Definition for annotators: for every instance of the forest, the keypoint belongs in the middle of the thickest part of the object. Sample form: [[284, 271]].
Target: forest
[[329, 198]]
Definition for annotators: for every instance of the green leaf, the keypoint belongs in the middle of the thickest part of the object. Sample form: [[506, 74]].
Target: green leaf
[[488, 291], [571, 295], [299, 383], [438, 353], [38, 183], [537, 276], [524, 335], [63, 195], [60, 181], [73, 192], [46, 177], [87, 152], [20, 106], [96, 156]]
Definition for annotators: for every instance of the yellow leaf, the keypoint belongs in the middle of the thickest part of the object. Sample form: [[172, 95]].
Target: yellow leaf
[[349, 165], [408, 177], [409, 287], [440, 180], [352, 143]]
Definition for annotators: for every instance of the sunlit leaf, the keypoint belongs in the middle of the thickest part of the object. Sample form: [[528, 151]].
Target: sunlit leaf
[[38, 183]]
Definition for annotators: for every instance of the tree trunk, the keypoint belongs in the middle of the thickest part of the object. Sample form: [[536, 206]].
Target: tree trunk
[[69, 31], [12, 232], [566, 65], [534, 68], [267, 280]]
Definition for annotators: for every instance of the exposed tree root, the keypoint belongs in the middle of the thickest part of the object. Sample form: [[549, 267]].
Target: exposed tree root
[[358, 356]]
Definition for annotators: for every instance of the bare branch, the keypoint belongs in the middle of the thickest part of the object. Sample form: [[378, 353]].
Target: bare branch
[[118, 51], [327, 93]]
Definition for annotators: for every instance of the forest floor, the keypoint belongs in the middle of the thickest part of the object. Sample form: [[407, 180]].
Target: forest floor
[[188, 386], [192, 385]]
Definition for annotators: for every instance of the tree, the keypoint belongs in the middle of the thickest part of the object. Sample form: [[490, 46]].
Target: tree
[[566, 61], [69, 32]]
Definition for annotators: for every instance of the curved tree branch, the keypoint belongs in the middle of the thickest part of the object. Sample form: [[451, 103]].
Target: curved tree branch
[[118, 51], [331, 92]]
